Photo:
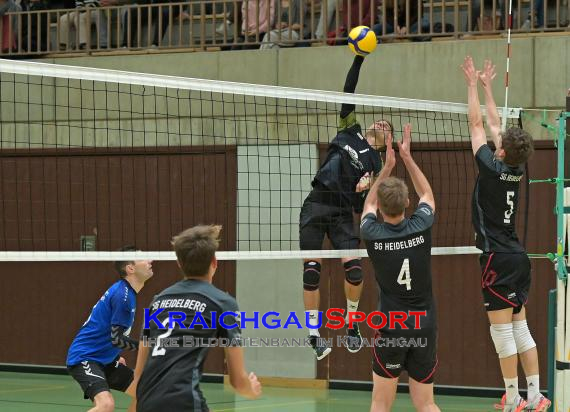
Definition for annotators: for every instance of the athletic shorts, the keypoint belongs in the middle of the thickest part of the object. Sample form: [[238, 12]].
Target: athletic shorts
[[94, 377], [318, 218], [505, 280], [416, 353]]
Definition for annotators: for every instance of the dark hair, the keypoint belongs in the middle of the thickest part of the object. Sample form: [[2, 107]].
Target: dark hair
[[195, 248], [393, 196], [518, 146], [120, 266]]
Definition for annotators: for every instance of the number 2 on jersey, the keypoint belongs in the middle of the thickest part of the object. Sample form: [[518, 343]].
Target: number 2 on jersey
[[405, 278], [158, 351], [511, 207]]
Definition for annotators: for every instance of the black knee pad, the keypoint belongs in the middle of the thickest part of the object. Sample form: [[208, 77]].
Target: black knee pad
[[311, 275], [353, 272]]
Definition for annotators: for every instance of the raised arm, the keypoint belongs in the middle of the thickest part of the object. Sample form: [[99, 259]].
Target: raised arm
[[371, 202], [493, 121], [476, 128], [420, 182], [347, 115]]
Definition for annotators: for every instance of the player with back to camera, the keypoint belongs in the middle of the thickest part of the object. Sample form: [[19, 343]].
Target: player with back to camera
[[505, 266], [93, 359], [338, 189], [167, 377], [400, 250]]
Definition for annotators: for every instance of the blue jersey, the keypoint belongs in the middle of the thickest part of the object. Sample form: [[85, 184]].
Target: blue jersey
[[93, 342]]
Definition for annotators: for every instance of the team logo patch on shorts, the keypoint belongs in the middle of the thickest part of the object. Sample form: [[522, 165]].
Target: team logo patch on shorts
[[393, 365], [512, 295]]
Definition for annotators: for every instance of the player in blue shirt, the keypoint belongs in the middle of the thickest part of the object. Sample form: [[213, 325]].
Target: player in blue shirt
[[93, 358]]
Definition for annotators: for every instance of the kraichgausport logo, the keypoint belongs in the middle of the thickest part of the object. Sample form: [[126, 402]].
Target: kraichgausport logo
[[335, 318]]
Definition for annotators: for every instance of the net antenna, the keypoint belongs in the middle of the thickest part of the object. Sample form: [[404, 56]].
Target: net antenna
[[509, 27]]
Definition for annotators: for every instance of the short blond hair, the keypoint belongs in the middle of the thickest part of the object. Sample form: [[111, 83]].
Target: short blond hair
[[196, 247], [393, 196]]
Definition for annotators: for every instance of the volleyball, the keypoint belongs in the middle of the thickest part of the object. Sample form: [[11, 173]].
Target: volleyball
[[362, 40]]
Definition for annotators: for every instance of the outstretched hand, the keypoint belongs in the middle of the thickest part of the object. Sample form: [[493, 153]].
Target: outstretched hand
[[488, 74], [390, 154], [405, 145], [471, 75]]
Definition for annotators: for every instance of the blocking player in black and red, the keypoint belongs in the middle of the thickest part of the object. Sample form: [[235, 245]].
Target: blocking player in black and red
[[400, 250], [505, 266], [338, 190]]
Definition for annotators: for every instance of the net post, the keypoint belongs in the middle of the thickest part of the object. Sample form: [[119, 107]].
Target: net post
[[567, 152], [562, 346], [560, 203]]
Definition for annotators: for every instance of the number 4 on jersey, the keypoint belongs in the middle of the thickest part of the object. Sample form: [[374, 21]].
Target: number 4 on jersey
[[405, 278]]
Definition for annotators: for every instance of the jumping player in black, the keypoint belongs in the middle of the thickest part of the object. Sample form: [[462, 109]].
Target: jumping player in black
[[338, 189], [170, 361], [505, 266], [400, 250]]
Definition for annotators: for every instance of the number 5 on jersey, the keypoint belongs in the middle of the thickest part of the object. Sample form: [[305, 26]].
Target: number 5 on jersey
[[511, 207], [405, 278]]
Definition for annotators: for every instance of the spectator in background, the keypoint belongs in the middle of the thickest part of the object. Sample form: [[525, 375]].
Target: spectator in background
[[398, 24], [354, 13], [530, 22], [328, 10], [486, 21], [37, 22], [291, 27], [233, 14], [130, 23], [9, 26], [258, 18], [160, 16], [85, 14]]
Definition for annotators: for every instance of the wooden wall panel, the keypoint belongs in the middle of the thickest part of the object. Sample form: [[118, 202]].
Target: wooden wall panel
[[48, 202], [146, 198]]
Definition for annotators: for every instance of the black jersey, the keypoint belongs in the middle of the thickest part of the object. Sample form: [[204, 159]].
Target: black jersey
[[495, 203], [401, 256], [349, 158], [172, 373]]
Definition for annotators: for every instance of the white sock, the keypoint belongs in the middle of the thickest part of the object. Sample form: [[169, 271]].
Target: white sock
[[512, 387], [351, 307], [313, 321], [533, 385]]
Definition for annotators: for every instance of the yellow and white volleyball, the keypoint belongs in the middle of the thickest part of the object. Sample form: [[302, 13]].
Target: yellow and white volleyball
[[362, 40]]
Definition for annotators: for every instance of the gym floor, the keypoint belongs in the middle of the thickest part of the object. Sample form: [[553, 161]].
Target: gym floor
[[27, 392]]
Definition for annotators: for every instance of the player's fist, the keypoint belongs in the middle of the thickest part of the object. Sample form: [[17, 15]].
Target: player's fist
[[363, 183], [122, 361], [255, 385]]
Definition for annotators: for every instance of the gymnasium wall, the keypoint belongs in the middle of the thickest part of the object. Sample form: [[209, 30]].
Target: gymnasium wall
[[56, 298], [540, 74], [540, 68], [51, 300]]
